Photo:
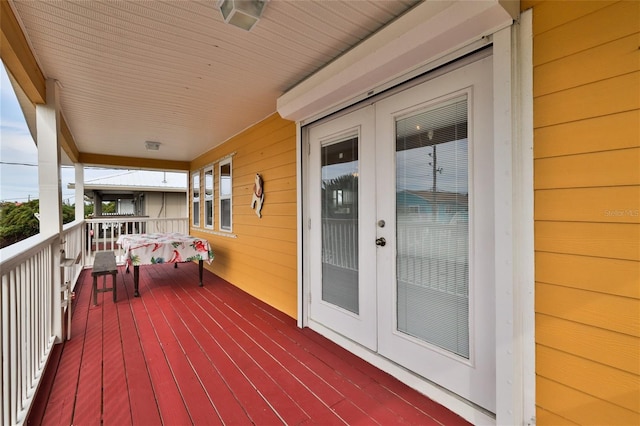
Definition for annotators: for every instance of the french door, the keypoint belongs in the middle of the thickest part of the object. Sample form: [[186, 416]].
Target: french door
[[401, 229], [342, 177]]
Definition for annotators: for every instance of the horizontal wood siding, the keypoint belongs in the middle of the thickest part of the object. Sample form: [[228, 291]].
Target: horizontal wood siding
[[260, 255], [587, 200]]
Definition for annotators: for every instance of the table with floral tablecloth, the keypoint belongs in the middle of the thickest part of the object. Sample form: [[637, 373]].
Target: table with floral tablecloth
[[158, 248]]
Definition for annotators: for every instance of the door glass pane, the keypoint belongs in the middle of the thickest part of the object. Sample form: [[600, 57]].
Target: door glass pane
[[340, 224], [432, 211]]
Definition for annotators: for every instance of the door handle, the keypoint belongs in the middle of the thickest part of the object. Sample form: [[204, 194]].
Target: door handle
[[381, 242]]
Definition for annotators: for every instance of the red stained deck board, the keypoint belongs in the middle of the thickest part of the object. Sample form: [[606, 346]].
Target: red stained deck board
[[88, 405], [222, 352], [168, 326], [298, 361], [312, 393], [360, 372], [247, 362], [172, 409], [226, 353], [195, 398], [265, 370], [379, 414], [61, 397], [195, 339], [144, 409], [116, 408]]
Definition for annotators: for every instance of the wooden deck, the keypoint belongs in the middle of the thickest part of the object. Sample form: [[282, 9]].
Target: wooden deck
[[182, 354]]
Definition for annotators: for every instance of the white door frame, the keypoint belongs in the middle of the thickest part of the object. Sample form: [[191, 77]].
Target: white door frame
[[513, 156]]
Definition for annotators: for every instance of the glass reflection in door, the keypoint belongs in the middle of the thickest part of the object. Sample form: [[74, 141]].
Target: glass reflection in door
[[340, 223], [432, 211]]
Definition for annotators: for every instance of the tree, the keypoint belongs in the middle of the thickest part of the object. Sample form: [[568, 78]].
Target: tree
[[19, 221], [109, 207], [340, 196]]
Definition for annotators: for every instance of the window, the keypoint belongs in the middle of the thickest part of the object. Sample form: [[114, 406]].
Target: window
[[208, 198], [195, 191], [225, 195]]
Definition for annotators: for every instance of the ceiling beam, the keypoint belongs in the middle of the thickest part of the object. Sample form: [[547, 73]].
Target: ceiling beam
[[18, 58], [67, 143], [132, 162]]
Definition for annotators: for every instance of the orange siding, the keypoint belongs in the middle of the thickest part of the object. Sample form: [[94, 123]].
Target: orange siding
[[587, 200], [260, 258]]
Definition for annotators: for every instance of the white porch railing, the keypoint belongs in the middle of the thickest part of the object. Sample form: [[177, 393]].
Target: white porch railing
[[429, 254], [28, 317], [72, 254], [340, 243], [103, 233], [32, 306]]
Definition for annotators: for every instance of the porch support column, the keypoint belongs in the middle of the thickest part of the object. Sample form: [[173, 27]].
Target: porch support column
[[50, 190], [514, 250], [79, 194], [97, 204]]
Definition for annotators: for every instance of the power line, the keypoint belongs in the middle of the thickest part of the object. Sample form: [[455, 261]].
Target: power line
[[18, 164], [10, 163]]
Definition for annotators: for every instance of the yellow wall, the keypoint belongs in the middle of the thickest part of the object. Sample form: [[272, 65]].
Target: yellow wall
[[587, 199], [261, 259]]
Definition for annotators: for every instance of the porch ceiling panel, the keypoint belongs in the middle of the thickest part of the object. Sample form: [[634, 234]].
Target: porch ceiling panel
[[173, 72]]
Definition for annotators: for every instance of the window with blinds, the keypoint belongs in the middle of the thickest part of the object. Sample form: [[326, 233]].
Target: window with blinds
[[432, 214], [208, 198], [226, 193], [195, 197]]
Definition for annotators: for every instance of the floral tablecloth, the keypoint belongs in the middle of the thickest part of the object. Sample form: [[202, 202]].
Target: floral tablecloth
[[149, 249]]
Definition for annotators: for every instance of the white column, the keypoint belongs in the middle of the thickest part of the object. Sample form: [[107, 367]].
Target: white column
[[79, 194], [50, 189], [49, 181], [514, 263], [508, 385], [524, 262]]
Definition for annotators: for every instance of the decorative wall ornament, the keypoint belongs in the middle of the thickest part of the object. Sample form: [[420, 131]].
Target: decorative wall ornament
[[258, 195]]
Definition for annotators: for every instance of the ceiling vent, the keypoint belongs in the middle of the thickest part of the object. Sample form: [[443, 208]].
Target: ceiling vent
[[152, 146]]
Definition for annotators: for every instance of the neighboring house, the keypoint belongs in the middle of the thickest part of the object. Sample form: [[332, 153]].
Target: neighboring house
[[145, 193], [434, 206], [533, 315]]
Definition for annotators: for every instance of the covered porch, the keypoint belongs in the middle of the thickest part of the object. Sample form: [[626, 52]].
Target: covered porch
[[170, 86], [182, 354]]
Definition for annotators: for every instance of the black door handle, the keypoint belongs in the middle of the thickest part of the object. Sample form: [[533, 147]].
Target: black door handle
[[381, 242]]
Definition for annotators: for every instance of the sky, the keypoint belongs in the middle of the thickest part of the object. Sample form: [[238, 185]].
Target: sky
[[19, 155]]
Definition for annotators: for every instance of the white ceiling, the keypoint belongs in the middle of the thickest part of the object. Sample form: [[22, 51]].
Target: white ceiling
[[173, 72]]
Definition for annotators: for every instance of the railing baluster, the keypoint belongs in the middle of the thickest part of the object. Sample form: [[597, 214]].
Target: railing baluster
[[27, 299]]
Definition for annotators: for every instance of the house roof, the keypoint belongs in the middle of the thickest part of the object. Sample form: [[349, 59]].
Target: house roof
[[137, 181], [440, 196]]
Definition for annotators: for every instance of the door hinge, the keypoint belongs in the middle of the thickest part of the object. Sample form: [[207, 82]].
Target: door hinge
[[308, 148], [309, 224]]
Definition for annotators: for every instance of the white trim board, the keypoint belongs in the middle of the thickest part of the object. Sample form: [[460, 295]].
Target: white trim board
[[412, 44]]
